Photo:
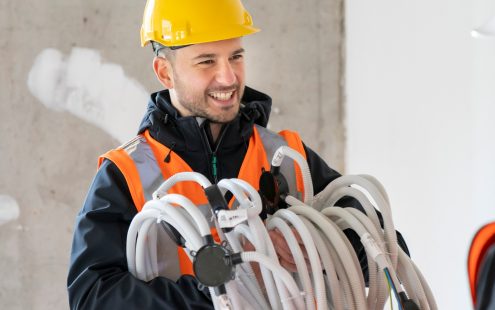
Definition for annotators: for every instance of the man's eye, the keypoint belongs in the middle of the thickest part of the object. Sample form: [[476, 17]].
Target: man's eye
[[207, 62], [236, 57]]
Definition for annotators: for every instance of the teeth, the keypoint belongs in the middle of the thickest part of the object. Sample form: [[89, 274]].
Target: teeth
[[221, 96]]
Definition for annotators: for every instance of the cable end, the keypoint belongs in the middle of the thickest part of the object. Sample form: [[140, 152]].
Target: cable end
[[407, 304]]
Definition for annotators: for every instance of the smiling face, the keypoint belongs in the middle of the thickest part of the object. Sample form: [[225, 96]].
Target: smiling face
[[205, 80]]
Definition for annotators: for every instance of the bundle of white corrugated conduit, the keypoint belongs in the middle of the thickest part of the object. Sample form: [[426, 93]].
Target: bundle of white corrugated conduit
[[333, 277]]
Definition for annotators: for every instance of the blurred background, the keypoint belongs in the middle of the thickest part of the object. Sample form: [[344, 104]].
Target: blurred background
[[400, 90]]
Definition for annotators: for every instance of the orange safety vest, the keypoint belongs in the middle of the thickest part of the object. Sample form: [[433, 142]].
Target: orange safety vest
[[141, 162], [484, 238]]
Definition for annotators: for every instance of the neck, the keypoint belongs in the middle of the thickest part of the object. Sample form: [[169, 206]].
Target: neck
[[215, 131], [215, 128]]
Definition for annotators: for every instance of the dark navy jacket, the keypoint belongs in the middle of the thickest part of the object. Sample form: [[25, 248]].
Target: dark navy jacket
[[485, 288], [98, 277]]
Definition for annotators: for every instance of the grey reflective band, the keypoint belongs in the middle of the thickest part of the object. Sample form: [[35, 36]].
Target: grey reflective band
[[149, 171], [271, 142]]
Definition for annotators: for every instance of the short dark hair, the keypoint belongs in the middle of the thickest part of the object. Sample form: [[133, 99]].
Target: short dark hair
[[163, 51]]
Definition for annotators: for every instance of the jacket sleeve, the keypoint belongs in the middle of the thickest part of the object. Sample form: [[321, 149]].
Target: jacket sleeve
[[485, 288], [98, 276], [322, 175]]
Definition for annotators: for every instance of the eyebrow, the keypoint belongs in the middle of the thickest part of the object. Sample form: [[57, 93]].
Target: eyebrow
[[239, 51]]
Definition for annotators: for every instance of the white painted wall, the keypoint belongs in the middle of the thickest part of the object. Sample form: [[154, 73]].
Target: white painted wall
[[420, 109]]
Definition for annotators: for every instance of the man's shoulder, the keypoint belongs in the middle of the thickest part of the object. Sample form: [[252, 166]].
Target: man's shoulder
[[282, 134]]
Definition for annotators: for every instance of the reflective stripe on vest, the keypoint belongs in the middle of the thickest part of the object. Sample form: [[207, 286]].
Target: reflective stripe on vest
[[483, 239], [141, 161]]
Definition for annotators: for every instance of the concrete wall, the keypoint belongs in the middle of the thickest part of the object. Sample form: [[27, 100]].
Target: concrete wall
[[77, 57]]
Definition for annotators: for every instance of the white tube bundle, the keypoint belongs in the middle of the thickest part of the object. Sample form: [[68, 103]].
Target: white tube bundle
[[332, 276]]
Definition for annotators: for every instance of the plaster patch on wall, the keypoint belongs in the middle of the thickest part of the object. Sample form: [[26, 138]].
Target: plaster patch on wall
[[97, 92], [9, 209]]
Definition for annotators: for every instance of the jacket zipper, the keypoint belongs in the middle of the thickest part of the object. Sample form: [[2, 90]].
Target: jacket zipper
[[213, 154], [214, 166]]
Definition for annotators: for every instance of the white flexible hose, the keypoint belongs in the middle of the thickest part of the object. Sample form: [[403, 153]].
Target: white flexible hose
[[234, 295], [360, 229], [337, 194], [359, 196], [352, 259], [314, 258], [143, 261], [165, 208], [253, 195], [377, 184], [245, 271], [181, 177], [140, 263], [411, 281], [382, 294], [388, 224], [429, 294], [296, 297], [261, 241], [248, 301], [328, 264], [190, 207], [242, 230], [214, 299], [272, 254], [255, 297], [364, 226], [297, 254], [229, 185], [347, 257], [338, 214], [382, 204], [303, 165], [182, 225], [132, 234]]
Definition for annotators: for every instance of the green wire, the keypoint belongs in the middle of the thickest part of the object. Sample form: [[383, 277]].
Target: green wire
[[389, 293]]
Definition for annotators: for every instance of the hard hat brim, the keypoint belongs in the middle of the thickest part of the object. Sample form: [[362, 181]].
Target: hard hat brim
[[231, 32]]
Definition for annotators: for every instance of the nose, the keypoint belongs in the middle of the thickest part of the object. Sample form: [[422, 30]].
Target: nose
[[226, 74]]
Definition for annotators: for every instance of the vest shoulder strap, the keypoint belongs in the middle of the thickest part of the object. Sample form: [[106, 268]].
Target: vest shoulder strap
[[127, 159], [271, 142], [294, 141]]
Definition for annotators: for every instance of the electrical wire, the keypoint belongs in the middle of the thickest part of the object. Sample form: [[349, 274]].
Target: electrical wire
[[394, 288], [389, 292]]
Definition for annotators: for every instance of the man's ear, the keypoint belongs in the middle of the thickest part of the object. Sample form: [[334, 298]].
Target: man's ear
[[163, 71]]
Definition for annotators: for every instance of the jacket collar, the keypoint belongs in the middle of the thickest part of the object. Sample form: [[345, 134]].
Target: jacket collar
[[185, 134]]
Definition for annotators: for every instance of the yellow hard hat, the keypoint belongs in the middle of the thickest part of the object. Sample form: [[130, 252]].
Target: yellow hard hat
[[184, 22]]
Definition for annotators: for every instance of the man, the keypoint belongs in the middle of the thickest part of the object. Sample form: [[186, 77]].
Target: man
[[206, 121]]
